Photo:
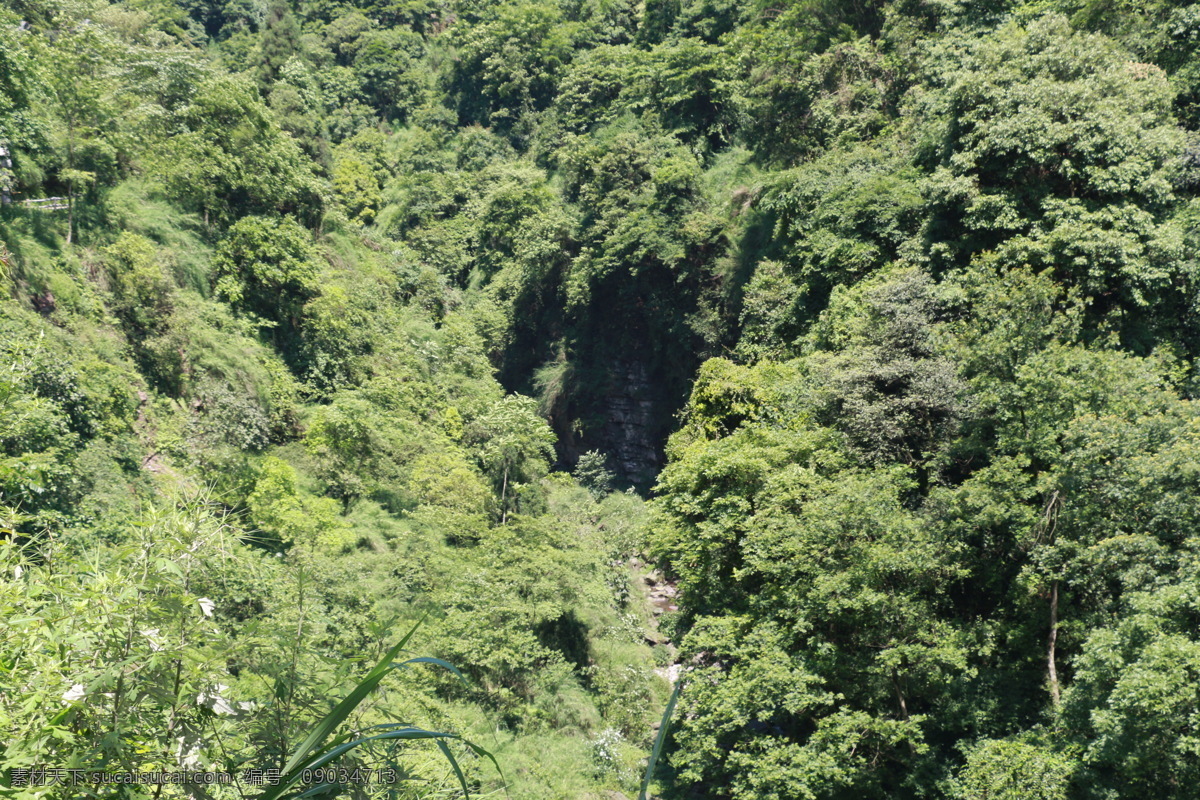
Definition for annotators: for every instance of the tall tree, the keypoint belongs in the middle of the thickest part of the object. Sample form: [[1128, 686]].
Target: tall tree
[[280, 41]]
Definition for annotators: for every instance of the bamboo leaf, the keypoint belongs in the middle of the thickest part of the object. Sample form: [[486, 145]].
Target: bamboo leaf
[[462, 779], [326, 726], [659, 740], [479, 751], [318, 749], [437, 661]]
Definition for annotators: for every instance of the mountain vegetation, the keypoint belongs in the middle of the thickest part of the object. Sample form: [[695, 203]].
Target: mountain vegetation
[[869, 327]]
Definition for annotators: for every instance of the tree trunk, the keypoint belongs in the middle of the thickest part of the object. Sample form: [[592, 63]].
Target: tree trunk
[[1051, 667], [912, 748], [504, 499], [70, 182]]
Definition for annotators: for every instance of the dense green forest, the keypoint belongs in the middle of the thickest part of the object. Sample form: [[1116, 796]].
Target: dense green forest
[[831, 360]]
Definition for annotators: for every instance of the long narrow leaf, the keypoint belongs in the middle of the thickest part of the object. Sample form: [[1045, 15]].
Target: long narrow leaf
[[388, 725], [462, 779], [293, 776], [409, 733], [659, 740], [479, 751], [318, 749], [438, 662], [326, 726]]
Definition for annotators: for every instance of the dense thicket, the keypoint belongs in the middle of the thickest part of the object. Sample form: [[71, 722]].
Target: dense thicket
[[368, 311]]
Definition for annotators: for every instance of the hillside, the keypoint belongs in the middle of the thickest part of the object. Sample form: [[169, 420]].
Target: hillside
[[836, 359]]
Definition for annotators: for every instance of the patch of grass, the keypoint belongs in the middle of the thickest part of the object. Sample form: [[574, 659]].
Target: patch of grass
[[132, 206]]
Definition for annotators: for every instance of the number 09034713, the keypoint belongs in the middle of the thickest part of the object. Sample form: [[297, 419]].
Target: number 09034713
[[385, 775]]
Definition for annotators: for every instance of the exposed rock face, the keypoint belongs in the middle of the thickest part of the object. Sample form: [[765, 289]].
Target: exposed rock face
[[633, 425], [628, 417]]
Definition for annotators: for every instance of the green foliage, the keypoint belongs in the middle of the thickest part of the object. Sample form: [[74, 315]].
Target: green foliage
[[1056, 152], [907, 289], [768, 313], [57, 400], [1136, 683], [593, 475], [769, 530], [314, 753], [884, 383], [846, 215], [447, 479], [22, 85], [356, 451], [227, 158], [131, 209], [810, 81], [142, 289], [336, 335], [388, 69], [515, 446], [281, 511], [509, 62], [280, 40], [267, 267], [1001, 768], [357, 188], [119, 650]]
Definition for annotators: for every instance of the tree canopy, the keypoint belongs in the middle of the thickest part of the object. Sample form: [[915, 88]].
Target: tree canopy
[[827, 366]]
